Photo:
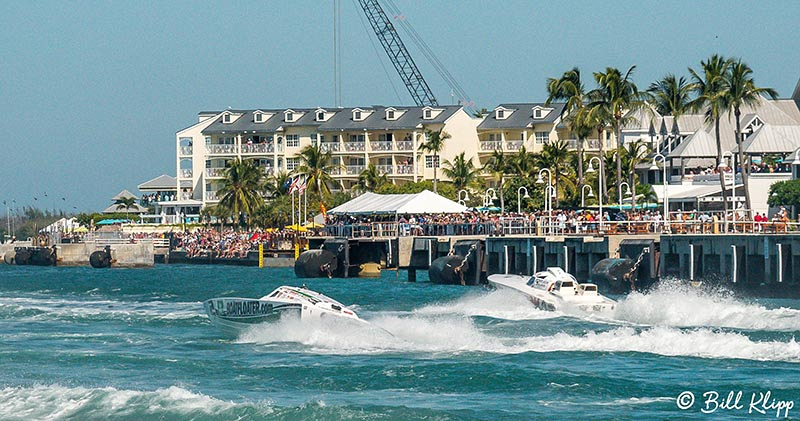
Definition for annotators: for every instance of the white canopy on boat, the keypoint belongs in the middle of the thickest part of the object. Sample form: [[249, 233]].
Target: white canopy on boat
[[424, 202]]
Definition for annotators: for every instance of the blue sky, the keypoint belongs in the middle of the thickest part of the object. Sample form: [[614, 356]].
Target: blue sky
[[93, 92]]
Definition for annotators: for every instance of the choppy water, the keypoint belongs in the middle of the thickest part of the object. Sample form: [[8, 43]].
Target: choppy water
[[134, 344]]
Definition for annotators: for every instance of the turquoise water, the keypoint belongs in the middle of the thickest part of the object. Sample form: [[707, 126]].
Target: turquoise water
[[79, 343]]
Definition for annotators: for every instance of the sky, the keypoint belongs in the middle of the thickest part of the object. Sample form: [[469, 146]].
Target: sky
[[93, 92]]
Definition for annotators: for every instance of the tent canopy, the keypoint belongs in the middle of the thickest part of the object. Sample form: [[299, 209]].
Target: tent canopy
[[424, 202]]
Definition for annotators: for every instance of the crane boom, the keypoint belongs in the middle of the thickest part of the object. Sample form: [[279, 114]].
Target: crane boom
[[398, 54]]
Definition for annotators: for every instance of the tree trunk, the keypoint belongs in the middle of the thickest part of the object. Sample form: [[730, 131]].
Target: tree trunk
[[555, 188], [619, 160], [745, 168], [632, 182], [502, 200], [580, 163], [434, 172], [721, 172], [602, 166]]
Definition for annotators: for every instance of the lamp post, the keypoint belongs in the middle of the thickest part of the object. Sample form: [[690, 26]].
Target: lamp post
[[548, 198], [583, 193], [466, 197], [519, 201], [488, 200], [664, 181], [600, 183], [733, 186]]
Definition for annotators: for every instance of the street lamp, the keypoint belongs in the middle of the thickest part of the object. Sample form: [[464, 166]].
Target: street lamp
[[664, 181], [466, 197], [488, 200], [519, 202], [600, 183], [547, 192], [583, 192], [720, 168]]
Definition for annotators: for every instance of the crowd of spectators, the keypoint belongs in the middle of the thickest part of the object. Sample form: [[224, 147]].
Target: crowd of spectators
[[231, 243]]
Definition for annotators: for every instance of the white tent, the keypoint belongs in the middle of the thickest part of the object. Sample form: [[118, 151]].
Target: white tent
[[424, 202], [62, 225]]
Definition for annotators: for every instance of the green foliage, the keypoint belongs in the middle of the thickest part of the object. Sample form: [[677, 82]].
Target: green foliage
[[317, 166], [371, 178], [239, 193], [446, 189], [785, 193], [462, 172]]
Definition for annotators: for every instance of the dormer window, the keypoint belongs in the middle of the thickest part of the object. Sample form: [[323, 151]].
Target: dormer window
[[226, 118], [357, 115], [390, 115], [289, 116], [501, 114], [427, 114], [258, 117], [537, 113], [321, 116]]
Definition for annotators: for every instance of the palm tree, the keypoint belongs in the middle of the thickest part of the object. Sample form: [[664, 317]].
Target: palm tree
[[277, 185], [556, 157], [671, 96], [712, 96], [125, 203], [742, 90], [371, 178], [434, 144], [497, 166], [316, 165], [634, 154], [461, 172], [570, 88], [522, 163], [239, 193], [619, 94], [599, 116]]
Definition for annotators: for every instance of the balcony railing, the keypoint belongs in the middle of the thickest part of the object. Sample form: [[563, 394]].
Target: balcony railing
[[336, 170], [258, 148], [211, 195], [354, 146], [404, 145], [514, 145], [491, 145], [215, 172], [186, 173], [354, 169], [221, 149], [405, 169], [592, 144], [269, 171], [329, 146], [186, 150], [186, 195], [385, 169], [381, 145]]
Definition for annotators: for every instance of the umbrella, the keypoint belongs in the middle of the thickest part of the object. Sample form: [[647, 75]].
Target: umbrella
[[296, 227]]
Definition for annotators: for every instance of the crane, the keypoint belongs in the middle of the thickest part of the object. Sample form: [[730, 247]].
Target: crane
[[398, 54]]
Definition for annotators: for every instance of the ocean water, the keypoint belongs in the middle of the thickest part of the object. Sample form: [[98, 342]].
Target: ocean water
[[131, 344]]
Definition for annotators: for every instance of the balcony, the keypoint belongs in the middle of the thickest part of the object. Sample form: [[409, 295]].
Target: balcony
[[384, 169], [354, 146], [186, 195], [269, 171], [405, 145], [354, 169], [405, 169], [329, 146], [592, 144], [215, 172], [261, 148], [514, 145], [337, 170], [492, 145], [381, 145], [186, 150], [222, 149], [186, 173], [211, 195]]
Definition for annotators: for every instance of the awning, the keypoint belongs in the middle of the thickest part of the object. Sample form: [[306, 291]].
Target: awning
[[424, 202]]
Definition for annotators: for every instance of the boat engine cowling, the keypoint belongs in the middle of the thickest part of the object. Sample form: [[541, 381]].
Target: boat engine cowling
[[449, 270], [615, 272], [316, 264]]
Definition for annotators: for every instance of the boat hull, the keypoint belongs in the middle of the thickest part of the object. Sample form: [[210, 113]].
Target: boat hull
[[241, 313], [544, 300]]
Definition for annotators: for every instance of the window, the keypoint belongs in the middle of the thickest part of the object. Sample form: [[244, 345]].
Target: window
[[493, 137], [314, 139], [356, 115], [501, 114], [259, 118], [427, 115], [356, 137], [320, 116], [537, 113], [336, 138], [292, 140], [542, 137], [390, 115], [226, 118], [290, 117], [430, 162], [357, 161], [384, 161], [292, 163]]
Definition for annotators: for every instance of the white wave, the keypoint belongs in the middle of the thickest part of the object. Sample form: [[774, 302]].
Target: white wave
[[674, 304], [499, 304], [48, 402], [44, 307]]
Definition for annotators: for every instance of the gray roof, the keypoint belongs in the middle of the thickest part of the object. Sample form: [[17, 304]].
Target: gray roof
[[772, 139], [522, 117], [123, 194], [162, 182], [341, 120]]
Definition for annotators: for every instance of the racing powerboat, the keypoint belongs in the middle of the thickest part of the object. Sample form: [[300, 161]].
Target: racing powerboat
[[232, 313], [555, 290]]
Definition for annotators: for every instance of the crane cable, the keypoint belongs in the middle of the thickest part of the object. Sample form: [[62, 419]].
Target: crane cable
[[377, 53]]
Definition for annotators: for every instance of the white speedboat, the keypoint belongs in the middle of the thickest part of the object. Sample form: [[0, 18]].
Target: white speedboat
[[284, 302], [555, 289]]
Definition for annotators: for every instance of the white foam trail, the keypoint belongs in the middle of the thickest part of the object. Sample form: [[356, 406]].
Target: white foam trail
[[58, 402], [60, 307], [677, 304], [499, 304]]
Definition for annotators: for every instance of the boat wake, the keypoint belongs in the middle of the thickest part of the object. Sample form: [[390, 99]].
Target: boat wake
[[498, 304], [680, 305], [47, 308]]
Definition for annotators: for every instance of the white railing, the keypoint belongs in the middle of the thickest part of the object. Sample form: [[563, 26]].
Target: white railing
[[336, 171], [186, 150], [186, 173], [211, 195], [329, 146], [381, 145], [215, 172], [514, 145], [491, 145], [354, 146], [186, 195], [592, 144], [385, 169], [221, 149], [404, 145], [258, 148], [354, 169], [405, 169]]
